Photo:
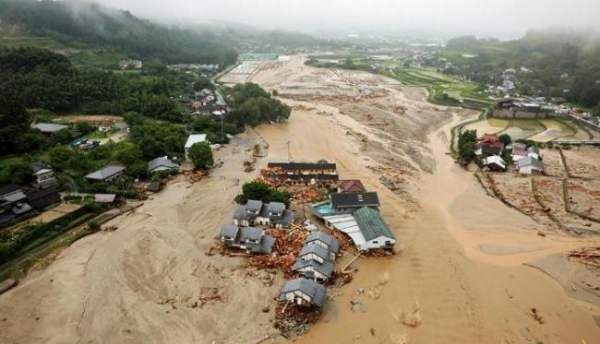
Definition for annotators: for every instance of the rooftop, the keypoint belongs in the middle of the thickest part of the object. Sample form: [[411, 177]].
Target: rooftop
[[195, 138], [354, 199], [313, 289], [320, 165], [371, 224], [106, 172], [352, 185], [49, 127], [330, 241]]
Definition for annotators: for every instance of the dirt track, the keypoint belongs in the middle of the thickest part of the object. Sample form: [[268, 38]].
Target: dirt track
[[460, 261]]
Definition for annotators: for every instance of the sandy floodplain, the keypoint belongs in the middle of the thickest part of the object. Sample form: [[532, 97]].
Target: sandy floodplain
[[458, 277]]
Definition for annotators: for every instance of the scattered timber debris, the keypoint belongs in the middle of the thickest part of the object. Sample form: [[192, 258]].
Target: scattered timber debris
[[285, 251], [589, 256], [294, 321], [195, 176]]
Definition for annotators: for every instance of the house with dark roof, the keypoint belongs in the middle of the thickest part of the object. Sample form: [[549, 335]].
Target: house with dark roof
[[250, 239], [342, 203], [324, 240], [375, 231], [106, 174], [274, 214], [350, 186], [162, 164], [13, 204], [303, 292], [310, 269], [316, 253]]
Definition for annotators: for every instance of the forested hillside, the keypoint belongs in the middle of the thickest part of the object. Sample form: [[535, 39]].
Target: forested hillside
[[68, 21], [558, 63]]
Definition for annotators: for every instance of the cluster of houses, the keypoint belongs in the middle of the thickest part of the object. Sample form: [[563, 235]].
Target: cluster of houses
[[206, 102], [18, 203], [530, 107], [490, 149], [245, 233]]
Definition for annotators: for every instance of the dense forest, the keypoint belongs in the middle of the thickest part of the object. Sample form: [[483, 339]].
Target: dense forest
[[557, 63], [98, 26]]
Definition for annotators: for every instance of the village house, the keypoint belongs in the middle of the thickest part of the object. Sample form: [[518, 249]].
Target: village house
[[130, 64], [106, 174], [192, 140], [162, 164], [322, 172], [530, 165], [44, 175], [493, 163], [316, 253], [274, 214], [342, 203], [310, 269], [534, 152], [350, 186], [489, 144], [250, 239], [519, 151], [324, 240], [375, 231], [13, 204], [303, 292]]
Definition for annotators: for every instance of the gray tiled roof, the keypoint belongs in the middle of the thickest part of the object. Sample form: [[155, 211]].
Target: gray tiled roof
[[240, 213], [313, 289], [331, 242], [251, 233], [327, 268], [254, 205], [275, 207], [105, 172], [317, 250], [354, 200], [230, 231], [265, 246], [162, 162]]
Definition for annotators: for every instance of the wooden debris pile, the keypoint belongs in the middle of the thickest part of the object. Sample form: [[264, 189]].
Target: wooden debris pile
[[285, 251], [195, 176], [589, 256], [249, 165], [294, 321]]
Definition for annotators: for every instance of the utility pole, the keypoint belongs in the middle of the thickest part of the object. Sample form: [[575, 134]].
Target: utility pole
[[289, 152], [222, 134]]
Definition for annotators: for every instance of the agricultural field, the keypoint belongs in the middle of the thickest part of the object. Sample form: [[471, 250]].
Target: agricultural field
[[539, 130]]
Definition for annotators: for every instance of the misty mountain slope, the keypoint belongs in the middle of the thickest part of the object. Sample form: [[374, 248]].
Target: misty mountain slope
[[69, 22]]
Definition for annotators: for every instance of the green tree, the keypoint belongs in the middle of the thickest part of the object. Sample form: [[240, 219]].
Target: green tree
[[203, 83], [201, 155], [506, 139]]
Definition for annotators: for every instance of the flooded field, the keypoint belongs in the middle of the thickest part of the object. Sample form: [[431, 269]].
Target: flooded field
[[540, 130]]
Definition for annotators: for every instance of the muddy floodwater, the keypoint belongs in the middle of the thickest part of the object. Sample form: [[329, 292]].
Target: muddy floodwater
[[461, 273]]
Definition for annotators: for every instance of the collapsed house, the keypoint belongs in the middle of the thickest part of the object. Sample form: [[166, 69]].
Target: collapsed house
[[250, 239], [320, 173], [257, 213], [350, 186], [303, 292]]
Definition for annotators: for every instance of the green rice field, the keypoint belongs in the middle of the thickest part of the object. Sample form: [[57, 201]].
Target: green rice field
[[539, 130]]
